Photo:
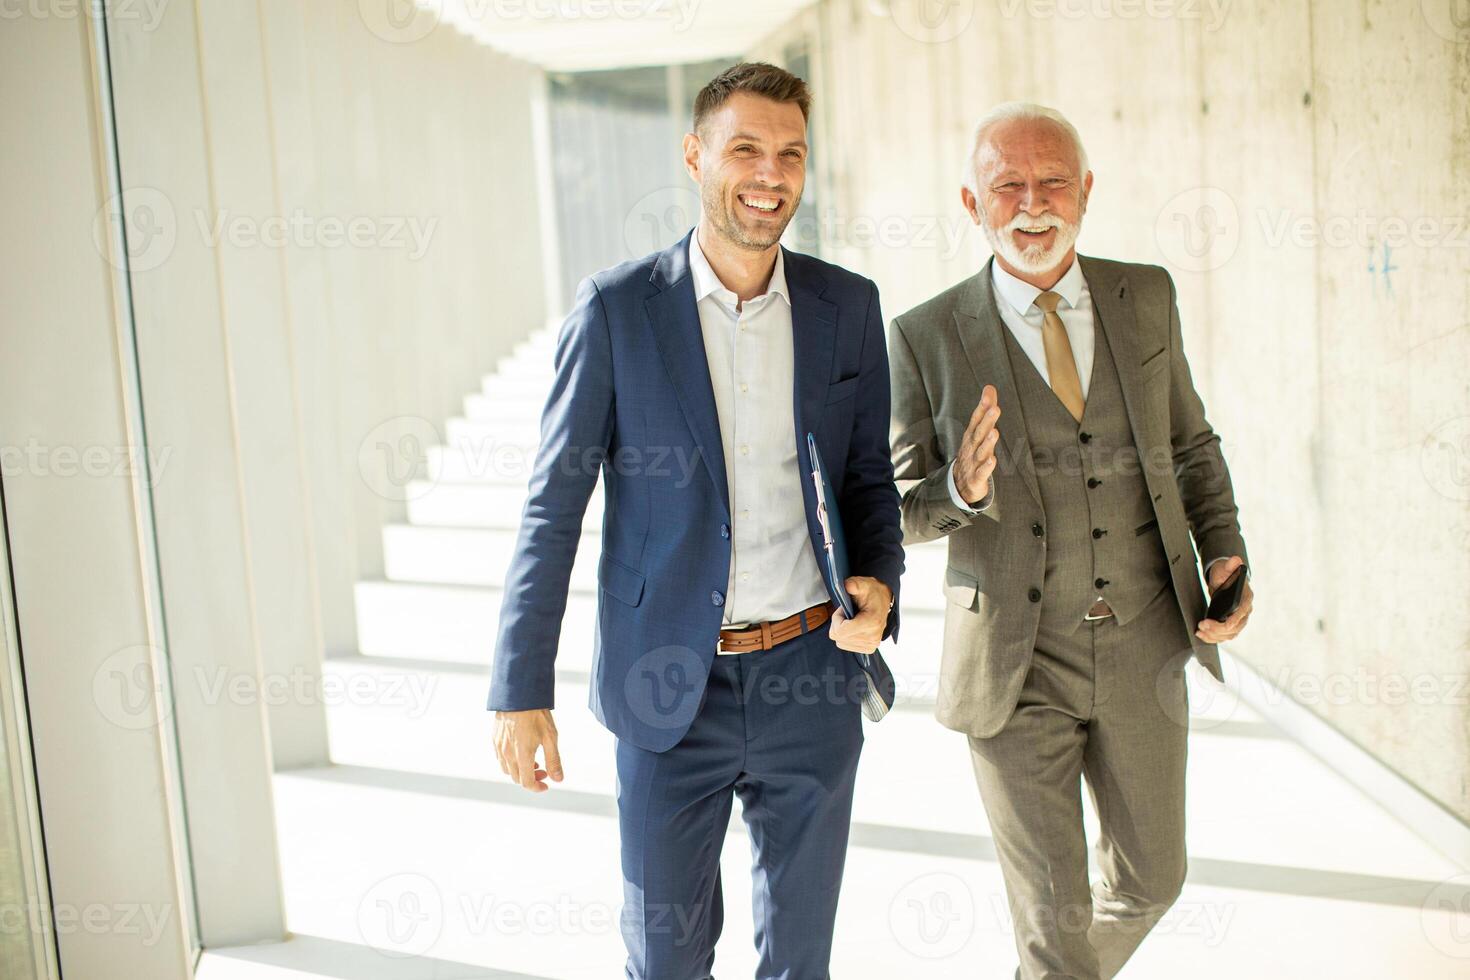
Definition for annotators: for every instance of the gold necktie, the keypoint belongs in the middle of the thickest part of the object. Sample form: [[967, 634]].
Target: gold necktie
[[1061, 368]]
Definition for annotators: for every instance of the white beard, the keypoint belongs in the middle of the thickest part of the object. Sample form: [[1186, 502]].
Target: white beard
[[1033, 258]]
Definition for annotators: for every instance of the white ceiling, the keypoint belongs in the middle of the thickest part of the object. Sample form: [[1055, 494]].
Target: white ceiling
[[583, 35]]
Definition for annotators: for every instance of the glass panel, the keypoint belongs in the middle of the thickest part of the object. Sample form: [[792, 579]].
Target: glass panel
[[27, 944]]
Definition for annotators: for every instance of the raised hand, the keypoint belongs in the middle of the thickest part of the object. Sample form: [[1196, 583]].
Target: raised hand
[[975, 461]]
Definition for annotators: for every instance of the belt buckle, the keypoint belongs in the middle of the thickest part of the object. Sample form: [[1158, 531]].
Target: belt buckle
[[729, 627]]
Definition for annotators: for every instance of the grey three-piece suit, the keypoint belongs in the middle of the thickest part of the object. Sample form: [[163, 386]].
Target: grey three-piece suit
[[1105, 507]]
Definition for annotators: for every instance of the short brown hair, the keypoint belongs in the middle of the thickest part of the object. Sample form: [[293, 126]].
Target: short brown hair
[[757, 78]]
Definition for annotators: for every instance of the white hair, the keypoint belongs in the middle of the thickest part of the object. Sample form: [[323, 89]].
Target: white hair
[[1012, 112]]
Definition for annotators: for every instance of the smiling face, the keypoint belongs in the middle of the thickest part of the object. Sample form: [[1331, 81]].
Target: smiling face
[[749, 158], [1030, 196]]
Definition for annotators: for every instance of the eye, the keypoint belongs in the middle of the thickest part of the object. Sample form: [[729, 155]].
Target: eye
[[793, 154], [1008, 186]]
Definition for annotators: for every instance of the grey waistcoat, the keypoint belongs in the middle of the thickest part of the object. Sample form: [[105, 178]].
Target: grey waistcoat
[[1102, 538]]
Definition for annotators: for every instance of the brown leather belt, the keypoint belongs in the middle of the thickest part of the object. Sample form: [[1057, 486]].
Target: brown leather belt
[[763, 636], [1100, 610]]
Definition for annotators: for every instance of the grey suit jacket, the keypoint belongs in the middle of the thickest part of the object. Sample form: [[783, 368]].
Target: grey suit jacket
[[942, 353]]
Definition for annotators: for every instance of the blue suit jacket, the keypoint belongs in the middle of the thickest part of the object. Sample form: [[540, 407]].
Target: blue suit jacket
[[632, 401]]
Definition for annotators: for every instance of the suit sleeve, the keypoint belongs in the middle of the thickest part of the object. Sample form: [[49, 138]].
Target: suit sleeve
[[1199, 465], [576, 429], [870, 514], [922, 473]]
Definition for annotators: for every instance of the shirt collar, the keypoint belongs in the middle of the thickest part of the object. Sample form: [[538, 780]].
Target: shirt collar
[[706, 283], [1021, 295]]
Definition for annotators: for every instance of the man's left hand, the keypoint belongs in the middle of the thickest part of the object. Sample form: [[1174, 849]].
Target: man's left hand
[[1216, 632], [864, 632]]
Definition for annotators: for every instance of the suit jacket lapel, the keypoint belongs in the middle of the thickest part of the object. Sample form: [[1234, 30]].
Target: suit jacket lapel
[[1114, 308], [675, 319], [979, 326], [813, 338]]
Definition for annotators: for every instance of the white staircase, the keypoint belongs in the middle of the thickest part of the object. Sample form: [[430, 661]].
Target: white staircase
[[445, 568]]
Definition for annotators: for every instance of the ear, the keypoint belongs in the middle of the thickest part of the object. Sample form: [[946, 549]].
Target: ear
[[691, 156], [971, 203], [1086, 193]]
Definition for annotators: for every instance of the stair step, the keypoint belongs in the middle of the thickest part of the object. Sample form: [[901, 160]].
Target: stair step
[[527, 384], [459, 624], [480, 407], [480, 555], [473, 464], [471, 555], [479, 504]]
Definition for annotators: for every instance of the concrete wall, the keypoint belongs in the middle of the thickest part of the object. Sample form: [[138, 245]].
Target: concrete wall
[[1303, 170]]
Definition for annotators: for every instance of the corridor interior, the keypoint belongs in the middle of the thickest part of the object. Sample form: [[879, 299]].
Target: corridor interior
[[412, 857]]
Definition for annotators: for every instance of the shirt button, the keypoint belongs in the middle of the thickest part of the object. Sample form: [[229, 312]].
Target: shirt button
[[744, 386], [725, 531], [717, 598], [745, 576], [1034, 595], [745, 450], [1092, 481], [1036, 529]]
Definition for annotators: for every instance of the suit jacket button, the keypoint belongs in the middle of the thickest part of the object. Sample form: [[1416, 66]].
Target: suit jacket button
[[1085, 436], [1100, 582], [717, 598], [1092, 481], [1036, 529], [1034, 595], [724, 530], [1097, 532]]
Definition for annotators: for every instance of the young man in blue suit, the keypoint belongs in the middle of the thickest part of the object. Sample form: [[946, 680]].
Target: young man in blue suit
[[721, 664]]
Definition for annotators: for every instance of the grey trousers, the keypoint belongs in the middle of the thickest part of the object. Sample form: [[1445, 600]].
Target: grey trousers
[[1106, 703]]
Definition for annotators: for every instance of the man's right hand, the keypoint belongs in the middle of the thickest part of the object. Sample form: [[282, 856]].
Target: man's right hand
[[518, 734], [976, 459]]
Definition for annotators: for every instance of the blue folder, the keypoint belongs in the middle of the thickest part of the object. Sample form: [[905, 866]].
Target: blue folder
[[835, 571]]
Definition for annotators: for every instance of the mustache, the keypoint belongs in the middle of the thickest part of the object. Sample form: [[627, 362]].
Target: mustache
[[1044, 220]]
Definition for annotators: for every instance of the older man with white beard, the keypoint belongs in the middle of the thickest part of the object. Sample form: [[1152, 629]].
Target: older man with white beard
[[1073, 519]]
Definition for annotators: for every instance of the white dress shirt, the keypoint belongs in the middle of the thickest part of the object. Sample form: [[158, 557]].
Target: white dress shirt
[[752, 366]]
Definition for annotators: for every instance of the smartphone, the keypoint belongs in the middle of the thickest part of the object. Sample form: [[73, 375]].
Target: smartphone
[[1226, 598]]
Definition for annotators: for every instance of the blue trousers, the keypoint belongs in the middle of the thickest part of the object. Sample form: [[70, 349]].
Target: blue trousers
[[781, 729]]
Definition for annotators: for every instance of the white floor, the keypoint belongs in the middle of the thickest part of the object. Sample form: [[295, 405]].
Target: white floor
[[414, 858]]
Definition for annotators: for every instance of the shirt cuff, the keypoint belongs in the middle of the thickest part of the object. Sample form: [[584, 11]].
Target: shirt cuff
[[960, 502]]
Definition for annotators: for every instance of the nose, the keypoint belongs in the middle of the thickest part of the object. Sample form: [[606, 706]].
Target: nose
[[768, 170], [1033, 201]]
